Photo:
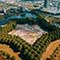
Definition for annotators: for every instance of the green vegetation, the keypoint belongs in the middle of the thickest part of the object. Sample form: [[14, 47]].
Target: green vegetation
[[27, 51], [32, 52], [44, 24], [8, 27]]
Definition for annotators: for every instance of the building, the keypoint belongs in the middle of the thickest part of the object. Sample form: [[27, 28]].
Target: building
[[52, 3], [51, 6]]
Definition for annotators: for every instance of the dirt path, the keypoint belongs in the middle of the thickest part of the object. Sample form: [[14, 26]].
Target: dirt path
[[50, 49]]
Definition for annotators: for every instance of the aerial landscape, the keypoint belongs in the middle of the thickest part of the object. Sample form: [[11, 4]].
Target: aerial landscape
[[29, 29]]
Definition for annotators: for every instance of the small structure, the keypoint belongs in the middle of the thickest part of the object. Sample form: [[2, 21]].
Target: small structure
[[51, 6]]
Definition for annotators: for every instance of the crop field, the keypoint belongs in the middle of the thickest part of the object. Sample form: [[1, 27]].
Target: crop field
[[29, 34]]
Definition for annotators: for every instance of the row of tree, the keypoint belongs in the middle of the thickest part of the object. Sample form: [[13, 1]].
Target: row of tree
[[8, 27], [27, 51]]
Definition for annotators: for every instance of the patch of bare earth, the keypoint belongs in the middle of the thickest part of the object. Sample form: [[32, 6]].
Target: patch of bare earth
[[2, 58], [50, 49], [28, 33], [7, 49]]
